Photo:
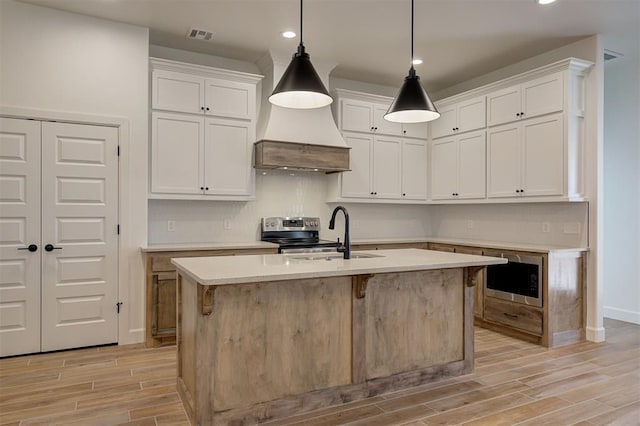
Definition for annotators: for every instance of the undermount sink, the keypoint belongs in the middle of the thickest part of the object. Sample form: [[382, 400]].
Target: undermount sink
[[334, 256]]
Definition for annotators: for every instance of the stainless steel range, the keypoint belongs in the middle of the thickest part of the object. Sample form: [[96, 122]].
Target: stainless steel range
[[296, 235]]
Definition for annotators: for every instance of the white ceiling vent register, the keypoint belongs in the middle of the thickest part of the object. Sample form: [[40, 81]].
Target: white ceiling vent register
[[199, 34]]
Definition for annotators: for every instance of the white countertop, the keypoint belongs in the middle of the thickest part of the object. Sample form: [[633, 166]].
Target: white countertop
[[223, 270], [207, 246], [536, 248]]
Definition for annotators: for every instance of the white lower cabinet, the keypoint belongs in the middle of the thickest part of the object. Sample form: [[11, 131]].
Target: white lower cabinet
[[526, 159], [384, 168], [458, 167], [201, 156]]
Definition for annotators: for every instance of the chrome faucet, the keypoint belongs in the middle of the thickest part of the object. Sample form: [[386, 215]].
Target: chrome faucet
[[346, 247]]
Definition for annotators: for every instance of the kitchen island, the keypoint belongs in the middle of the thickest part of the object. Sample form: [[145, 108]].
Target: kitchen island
[[268, 336]]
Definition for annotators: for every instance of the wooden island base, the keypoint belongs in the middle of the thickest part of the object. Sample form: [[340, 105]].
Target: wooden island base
[[250, 353]]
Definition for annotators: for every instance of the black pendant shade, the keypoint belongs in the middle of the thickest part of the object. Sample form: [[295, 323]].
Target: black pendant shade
[[412, 105], [300, 86]]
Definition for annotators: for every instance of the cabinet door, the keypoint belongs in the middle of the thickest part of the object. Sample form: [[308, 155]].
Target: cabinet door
[[415, 130], [444, 169], [444, 125], [227, 157], [543, 95], [414, 169], [387, 167], [357, 116], [472, 114], [471, 166], [382, 126], [503, 105], [543, 156], [176, 153], [357, 182], [503, 161], [178, 92], [230, 99]]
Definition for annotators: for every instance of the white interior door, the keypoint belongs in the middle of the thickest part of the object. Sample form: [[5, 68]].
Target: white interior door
[[79, 219], [19, 228]]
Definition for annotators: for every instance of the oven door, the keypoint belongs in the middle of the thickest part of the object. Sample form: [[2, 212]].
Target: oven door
[[519, 281]]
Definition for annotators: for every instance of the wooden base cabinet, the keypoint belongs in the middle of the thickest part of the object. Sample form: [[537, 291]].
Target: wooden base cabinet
[[161, 290], [561, 318]]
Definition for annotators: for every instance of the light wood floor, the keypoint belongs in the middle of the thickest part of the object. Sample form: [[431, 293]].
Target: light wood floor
[[514, 383]]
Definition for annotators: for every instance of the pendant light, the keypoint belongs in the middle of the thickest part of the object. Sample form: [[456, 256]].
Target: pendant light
[[412, 105], [300, 86]]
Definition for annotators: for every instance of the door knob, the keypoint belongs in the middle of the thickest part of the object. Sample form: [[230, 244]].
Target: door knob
[[51, 247], [32, 248]]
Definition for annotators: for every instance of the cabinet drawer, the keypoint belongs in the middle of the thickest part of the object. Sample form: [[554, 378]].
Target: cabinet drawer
[[442, 247], [513, 314]]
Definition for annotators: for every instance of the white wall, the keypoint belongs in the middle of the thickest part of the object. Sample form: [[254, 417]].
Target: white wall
[[520, 223], [622, 179], [280, 194], [69, 65]]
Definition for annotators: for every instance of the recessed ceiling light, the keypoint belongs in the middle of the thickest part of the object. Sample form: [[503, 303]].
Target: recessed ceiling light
[[288, 34], [416, 61], [545, 1]]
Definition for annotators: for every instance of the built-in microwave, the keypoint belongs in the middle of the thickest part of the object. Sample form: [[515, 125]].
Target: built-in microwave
[[519, 281]]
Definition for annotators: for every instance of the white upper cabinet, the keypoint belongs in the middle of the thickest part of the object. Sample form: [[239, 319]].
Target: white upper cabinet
[[458, 167], [459, 117], [194, 94], [527, 159], [368, 117], [202, 133], [388, 161], [543, 95], [414, 169], [173, 91]]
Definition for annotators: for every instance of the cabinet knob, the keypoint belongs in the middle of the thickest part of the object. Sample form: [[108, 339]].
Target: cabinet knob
[[517, 190], [375, 128], [375, 193], [404, 195], [207, 108], [371, 127], [201, 108], [206, 188], [371, 193], [404, 132], [202, 188], [521, 114]]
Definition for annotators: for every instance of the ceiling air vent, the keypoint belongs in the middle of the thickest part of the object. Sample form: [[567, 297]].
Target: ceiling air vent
[[198, 34], [610, 54]]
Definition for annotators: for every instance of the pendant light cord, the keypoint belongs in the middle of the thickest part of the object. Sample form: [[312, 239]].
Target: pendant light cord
[[411, 33], [301, 21]]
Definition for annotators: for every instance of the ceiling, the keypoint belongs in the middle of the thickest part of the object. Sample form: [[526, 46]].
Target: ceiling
[[370, 39]]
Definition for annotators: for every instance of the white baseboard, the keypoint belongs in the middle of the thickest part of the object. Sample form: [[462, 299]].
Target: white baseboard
[[622, 314], [132, 336], [595, 334]]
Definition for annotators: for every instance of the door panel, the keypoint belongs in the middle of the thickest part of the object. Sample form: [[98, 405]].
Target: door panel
[[79, 216], [543, 95], [472, 165], [177, 92], [356, 116], [414, 170], [444, 169], [444, 125], [383, 126], [19, 227], [176, 145], [229, 98], [387, 167], [503, 105], [357, 182], [543, 156], [227, 163], [472, 114], [503, 161]]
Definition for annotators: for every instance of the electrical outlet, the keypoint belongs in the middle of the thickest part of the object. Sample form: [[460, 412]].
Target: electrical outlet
[[546, 226], [226, 224], [572, 228], [470, 224], [171, 225]]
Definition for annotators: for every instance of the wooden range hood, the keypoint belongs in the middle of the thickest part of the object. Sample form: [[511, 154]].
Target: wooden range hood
[[269, 154]]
